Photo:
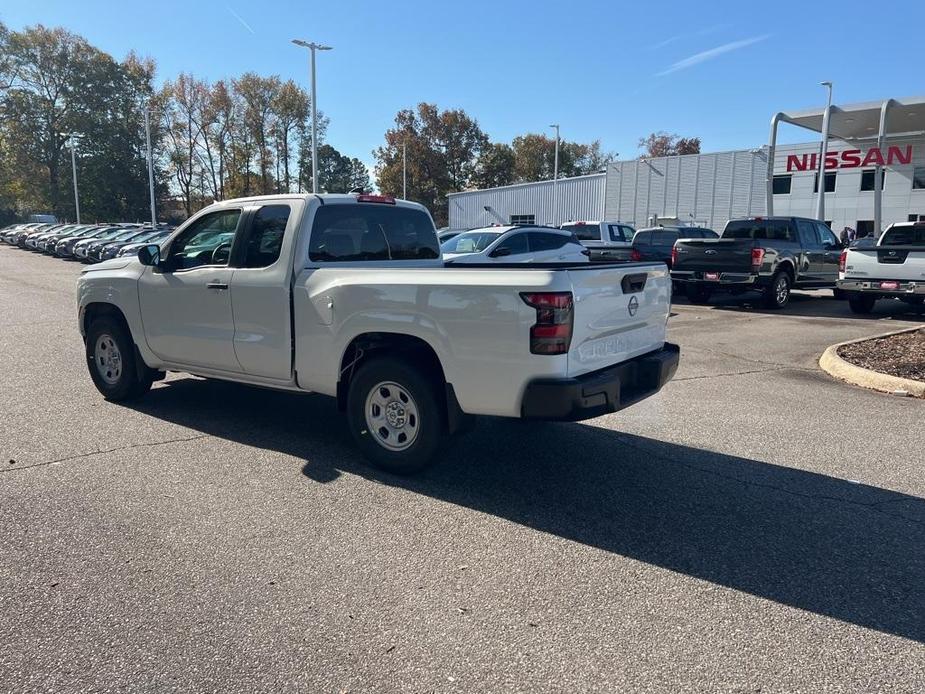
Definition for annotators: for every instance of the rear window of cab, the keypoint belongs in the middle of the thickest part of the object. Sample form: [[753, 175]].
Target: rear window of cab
[[369, 231]]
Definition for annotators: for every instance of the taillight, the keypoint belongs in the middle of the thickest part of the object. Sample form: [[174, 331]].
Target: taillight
[[552, 332], [757, 258], [636, 256], [842, 261], [674, 255]]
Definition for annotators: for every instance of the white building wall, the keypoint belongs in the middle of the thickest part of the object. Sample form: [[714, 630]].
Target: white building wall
[[849, 204], [708, 189], [580, 197]]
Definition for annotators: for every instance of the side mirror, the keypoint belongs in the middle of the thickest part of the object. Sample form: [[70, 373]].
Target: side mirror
[[150, 255], [500, 252]]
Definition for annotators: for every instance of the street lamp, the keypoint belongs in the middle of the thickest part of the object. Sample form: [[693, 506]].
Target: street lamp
[[555, 178], [313, 47], [72, 141], [823, 150], [150, 164]]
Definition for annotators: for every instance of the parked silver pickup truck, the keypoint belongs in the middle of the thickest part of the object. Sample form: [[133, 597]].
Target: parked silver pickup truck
[[894, 268], [607, 241]]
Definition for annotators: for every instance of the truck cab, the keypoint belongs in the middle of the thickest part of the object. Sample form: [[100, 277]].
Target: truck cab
[[607, 241]]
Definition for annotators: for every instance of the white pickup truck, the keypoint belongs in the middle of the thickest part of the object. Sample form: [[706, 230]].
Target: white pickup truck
[[893, 268], [606, 240], [347, 295]]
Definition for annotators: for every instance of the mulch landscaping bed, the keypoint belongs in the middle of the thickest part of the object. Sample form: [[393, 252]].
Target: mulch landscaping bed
[[898, 355]]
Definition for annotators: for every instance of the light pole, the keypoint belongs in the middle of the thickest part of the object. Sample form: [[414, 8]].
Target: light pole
[[150, 164], [823, 150], [72, 140], [404, 170], [555, 178], [313, 47]]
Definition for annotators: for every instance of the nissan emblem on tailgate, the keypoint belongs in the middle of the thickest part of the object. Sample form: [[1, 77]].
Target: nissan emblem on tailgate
[[709, 252], [633, 305]]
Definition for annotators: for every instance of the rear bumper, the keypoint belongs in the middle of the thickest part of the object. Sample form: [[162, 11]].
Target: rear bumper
[[736, 279], [600, 392], [873, 287]]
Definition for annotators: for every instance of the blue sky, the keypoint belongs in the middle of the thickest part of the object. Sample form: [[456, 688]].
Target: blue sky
[[613, 71]]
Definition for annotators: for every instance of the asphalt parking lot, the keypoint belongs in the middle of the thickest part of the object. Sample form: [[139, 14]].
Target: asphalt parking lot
[[756, 526]]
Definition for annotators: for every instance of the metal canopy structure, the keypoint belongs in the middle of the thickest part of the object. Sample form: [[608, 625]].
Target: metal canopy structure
[[873, 121]]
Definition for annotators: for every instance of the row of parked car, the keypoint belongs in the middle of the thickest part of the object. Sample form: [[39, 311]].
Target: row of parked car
[[766, 255], [583, 241], [89, 243]]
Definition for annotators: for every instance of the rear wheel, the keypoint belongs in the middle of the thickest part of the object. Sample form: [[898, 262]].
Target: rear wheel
[[395, 415], [839, 294], [777, 294], [861, 303], [111, 361], [698, 294]]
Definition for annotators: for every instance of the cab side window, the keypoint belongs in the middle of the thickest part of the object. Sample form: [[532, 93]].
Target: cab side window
[[808, 235], [207, 241], [265, 238]]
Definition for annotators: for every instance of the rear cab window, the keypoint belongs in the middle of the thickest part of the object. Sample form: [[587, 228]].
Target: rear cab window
[[370, 232], [584, 232], [904, 236]]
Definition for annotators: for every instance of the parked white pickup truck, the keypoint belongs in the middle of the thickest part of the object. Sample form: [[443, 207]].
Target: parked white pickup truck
[[893, 268], [347, 295], [606, 240]]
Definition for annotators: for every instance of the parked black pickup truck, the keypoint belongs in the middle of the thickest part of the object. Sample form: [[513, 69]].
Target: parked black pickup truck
[[771, 255]]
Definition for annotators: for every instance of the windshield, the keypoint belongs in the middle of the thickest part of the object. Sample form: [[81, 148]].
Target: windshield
[[585, 232], [470, 242], [904, 236]]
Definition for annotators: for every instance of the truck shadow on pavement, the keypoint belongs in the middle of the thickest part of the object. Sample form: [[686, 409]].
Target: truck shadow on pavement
[[845, 550]]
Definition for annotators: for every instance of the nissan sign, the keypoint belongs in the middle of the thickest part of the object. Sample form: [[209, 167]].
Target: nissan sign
[[851, 159]]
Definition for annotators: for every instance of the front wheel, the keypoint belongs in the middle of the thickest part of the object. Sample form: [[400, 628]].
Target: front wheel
[[395, 415], [777, 295], [861, 303], [111, 360]]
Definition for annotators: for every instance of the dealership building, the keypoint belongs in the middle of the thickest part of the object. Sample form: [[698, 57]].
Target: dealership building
[[864, 140]]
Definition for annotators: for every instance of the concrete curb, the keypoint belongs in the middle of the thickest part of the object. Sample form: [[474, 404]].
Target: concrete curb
[[843, 370]]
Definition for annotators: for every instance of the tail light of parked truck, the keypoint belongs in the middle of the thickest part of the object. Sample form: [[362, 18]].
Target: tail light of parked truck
[[843, 260], [757, 258], [552, 332], [674, 255], [636, 256]]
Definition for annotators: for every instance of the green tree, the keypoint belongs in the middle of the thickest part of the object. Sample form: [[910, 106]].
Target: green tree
[[258, 95], [442, 150], [535, 156], [495, 166], [56, 83]]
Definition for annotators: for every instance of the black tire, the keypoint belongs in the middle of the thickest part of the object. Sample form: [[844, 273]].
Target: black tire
[[839, 294], [861, 303], [121, 380], [777, 294], [698, 294], [427, 426]]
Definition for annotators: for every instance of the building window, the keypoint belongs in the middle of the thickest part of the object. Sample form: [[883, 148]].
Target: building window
[[865, 228], [523, 219], [828, 223], [918, 178], [916, 218], [867, 179], [781, 184], [829, 183]]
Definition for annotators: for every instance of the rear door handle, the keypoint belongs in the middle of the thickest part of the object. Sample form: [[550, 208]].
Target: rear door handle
[[217, 285]]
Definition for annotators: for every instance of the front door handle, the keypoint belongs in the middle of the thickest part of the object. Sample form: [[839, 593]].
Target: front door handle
[[217, 285]]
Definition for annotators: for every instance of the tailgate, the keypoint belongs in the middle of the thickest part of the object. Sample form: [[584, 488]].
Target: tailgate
[[886, 262], [725, 255], [619, 313]]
